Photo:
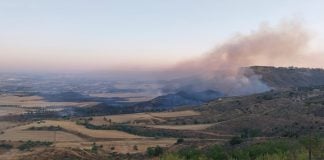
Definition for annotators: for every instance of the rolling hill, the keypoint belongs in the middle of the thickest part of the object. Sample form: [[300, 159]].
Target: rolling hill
[[275, 77], [285, 77]]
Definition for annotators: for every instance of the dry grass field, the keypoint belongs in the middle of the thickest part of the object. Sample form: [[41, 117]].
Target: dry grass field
[[131, 97], [11, 111], [77, 136], [6, 125], [20, 134], [195, 127], [81, 149], [14, 154], [137, 117], [175, 114], [72, 126], [123, 118], [116, 141], [37, 101], [121, 146], [15, 98]]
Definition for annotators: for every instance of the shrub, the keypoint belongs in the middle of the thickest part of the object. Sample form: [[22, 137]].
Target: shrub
[[190, 153], [94, 148], [236, 140], [30, 144], [180, 140], [267, 148], [217, 153], [154, 151], [46, 128], [250, 133], [171, 156], [6, 146]]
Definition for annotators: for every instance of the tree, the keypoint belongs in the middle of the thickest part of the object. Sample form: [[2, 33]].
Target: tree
[[191, 153], [180, 140], [236, 140], [171, 156], [217, 153], [310, 140], [154, 151]]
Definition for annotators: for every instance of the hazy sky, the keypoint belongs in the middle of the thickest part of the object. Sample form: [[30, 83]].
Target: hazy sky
[[83, 35]]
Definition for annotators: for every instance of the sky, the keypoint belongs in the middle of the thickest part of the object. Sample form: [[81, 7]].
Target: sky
[[99, 35]]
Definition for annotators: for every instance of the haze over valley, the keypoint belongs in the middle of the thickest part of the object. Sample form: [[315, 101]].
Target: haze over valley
[[180, 80]]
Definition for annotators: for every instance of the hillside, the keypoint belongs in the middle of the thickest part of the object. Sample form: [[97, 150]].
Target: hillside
[[288, 114], [181, 98], [274, 113], [274, 77], [283, 77]]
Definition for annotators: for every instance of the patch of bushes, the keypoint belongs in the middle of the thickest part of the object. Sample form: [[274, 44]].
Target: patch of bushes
[[190, 153], [273, 149], [250, 133], [180, 140], [95, 147], [154, 151], [267, 148], [6, 146], [46, 128], [136, 130], [31, 144], [236, 140], [266, 97], [217, 153]]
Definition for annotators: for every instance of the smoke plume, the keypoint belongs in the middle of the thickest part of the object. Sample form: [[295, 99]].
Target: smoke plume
[[225, 67]]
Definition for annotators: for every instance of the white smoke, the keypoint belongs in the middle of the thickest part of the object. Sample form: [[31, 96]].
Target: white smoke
[[224, 68]]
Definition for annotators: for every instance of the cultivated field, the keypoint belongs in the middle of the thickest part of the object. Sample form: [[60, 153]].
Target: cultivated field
[[123, 118], [175, 114], [69, 137], [138, 117], [108, 146], [131, 97], [21, 135], [11, 111], [71, 132], [195, 127], [19, 132], [37, 101], [6, 125], [121, 146], [72, 126]]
